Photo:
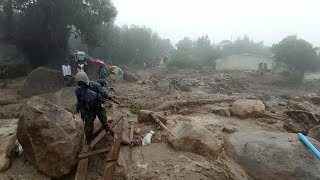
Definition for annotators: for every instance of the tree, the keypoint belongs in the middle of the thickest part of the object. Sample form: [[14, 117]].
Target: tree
[[194, 54], [43, 27], [297, 55], [185, 44], [245, 46]]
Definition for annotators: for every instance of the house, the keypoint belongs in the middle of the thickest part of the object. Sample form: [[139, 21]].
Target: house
[[244, 62]]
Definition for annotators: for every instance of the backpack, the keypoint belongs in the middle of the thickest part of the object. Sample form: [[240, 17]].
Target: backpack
[[92, 100]]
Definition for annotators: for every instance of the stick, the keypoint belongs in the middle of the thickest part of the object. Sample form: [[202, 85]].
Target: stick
[[160, 123]]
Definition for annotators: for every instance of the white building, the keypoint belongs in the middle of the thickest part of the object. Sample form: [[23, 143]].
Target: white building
[[244, 62]]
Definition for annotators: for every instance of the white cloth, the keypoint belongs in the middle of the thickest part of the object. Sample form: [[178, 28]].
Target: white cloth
[[81, 69], [66, 70]]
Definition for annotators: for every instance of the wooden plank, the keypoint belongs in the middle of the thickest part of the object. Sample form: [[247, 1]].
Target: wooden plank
[[110, 170], [114, 152], [82, 169], [98, 131], [131, 134], [94, 152], [102, 133]]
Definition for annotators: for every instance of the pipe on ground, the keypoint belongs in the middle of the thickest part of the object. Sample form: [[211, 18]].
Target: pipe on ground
[[309, 145]]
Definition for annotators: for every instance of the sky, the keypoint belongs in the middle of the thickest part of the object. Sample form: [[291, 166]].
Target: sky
[[262, 20]]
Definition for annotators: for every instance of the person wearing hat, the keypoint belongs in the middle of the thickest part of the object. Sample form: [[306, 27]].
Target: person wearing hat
[[90, 99]]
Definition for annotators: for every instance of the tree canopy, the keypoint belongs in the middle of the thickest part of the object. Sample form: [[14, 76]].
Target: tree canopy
[[297, 55], [41, 28], [194, 54]]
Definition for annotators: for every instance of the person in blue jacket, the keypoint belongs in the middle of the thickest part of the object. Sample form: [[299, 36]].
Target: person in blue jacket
[[90, 99]]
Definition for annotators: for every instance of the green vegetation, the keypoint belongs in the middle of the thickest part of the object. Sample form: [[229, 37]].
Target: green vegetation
[[297, 56], [135, 108], [194, 54]]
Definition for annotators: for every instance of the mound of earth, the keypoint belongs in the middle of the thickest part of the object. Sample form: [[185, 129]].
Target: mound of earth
[[42, 80], [51, 138], [270, 155]]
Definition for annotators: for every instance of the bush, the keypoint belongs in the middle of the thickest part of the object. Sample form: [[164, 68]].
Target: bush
[[135, 108]]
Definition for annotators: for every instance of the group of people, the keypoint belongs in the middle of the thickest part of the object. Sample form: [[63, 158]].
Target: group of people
[[91, 96]]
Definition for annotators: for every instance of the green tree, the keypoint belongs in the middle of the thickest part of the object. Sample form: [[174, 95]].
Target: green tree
[[245, 46], [297, 55], [43, 27], [194, 54]]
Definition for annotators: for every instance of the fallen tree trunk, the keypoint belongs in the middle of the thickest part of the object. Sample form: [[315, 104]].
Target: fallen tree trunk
[[199, 102], [157, 120]]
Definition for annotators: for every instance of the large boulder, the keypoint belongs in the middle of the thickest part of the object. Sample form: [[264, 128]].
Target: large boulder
[[8, 128], [42, 80], [65, 97], [270, 155], [51, 138], [245, 108], [196, 139], [315, 133], [130, 77]]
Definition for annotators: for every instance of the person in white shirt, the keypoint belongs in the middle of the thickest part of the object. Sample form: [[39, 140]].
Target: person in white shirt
[[66, 70]]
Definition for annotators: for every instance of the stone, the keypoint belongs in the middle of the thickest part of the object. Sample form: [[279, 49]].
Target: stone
[[229, 130], [293, 127], [315, 133], [130, 77], [271, 155], [11, 111], [221, 111], [245, 108], [43, 80], [196, 139], [65, 97], [50, 136], [144, 116], [137, 131], [8, 129]]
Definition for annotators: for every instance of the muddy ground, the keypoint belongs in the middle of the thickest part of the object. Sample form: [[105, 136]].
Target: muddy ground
[[158, 86]]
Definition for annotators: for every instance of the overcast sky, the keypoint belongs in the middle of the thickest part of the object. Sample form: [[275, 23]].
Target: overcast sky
[[261, 20]]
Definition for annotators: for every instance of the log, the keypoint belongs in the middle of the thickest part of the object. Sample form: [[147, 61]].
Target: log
[[114, 153], [198, 102], [153, 115]]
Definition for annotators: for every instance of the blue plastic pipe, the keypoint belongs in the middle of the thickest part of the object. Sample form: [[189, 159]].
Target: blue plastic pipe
[[309, 145]]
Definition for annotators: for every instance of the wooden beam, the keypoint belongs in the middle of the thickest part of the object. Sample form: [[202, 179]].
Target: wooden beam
[[114, 152], [131, 134], [160, 123], [98, 131], [102, 133], [94, 152], [82, 168]]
